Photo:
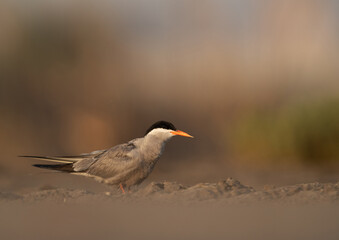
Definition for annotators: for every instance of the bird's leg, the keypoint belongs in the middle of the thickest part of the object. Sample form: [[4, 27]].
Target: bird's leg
[[122, 188]]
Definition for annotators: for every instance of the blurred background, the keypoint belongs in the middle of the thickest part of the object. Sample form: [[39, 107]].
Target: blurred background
[[256, 83]]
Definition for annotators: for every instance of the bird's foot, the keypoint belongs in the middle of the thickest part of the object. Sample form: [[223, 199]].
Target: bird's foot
[[122, 188]]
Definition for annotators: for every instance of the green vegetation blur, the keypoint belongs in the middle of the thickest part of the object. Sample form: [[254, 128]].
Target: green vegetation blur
[[307, 132]]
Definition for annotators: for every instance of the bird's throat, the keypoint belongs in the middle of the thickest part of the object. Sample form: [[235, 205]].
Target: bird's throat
[[152, 147]]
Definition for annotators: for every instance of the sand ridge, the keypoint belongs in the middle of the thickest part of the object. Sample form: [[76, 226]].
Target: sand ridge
[[225, 191]]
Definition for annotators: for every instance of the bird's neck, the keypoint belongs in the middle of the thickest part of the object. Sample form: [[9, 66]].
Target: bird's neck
[[153, 146]]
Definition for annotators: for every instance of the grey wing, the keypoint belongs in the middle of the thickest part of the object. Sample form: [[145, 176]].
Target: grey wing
[[114, 161], [77, 163], [83, 156], [90, 158], [68, 159]]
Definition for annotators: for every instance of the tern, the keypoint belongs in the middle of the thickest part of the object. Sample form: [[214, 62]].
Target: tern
[[123, 165]]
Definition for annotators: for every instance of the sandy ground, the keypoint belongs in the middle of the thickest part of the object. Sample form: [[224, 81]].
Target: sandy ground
[[168, 210]]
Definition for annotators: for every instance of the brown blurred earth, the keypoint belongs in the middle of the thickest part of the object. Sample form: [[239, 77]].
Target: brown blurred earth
[[168, 210]]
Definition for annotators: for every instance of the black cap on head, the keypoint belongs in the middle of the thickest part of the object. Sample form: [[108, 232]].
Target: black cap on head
[[161, 124]]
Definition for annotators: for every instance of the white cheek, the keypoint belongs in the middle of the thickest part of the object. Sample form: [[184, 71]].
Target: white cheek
[[164, 134]]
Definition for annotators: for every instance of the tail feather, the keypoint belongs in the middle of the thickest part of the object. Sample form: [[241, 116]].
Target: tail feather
[[67, 167], [71, 159], [66, 162], [67, 159]]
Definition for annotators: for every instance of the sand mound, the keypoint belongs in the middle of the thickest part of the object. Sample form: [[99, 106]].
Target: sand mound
[[226, 191]]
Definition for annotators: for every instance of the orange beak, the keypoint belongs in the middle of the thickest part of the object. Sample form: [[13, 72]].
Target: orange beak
[[181, 133]]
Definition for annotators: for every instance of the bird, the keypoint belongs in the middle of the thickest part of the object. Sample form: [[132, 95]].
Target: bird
[[123, 165]]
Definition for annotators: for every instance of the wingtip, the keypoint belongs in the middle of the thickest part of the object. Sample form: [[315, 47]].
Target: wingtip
[[67, 167], [50, 159], [37, 165], [32, 156]]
